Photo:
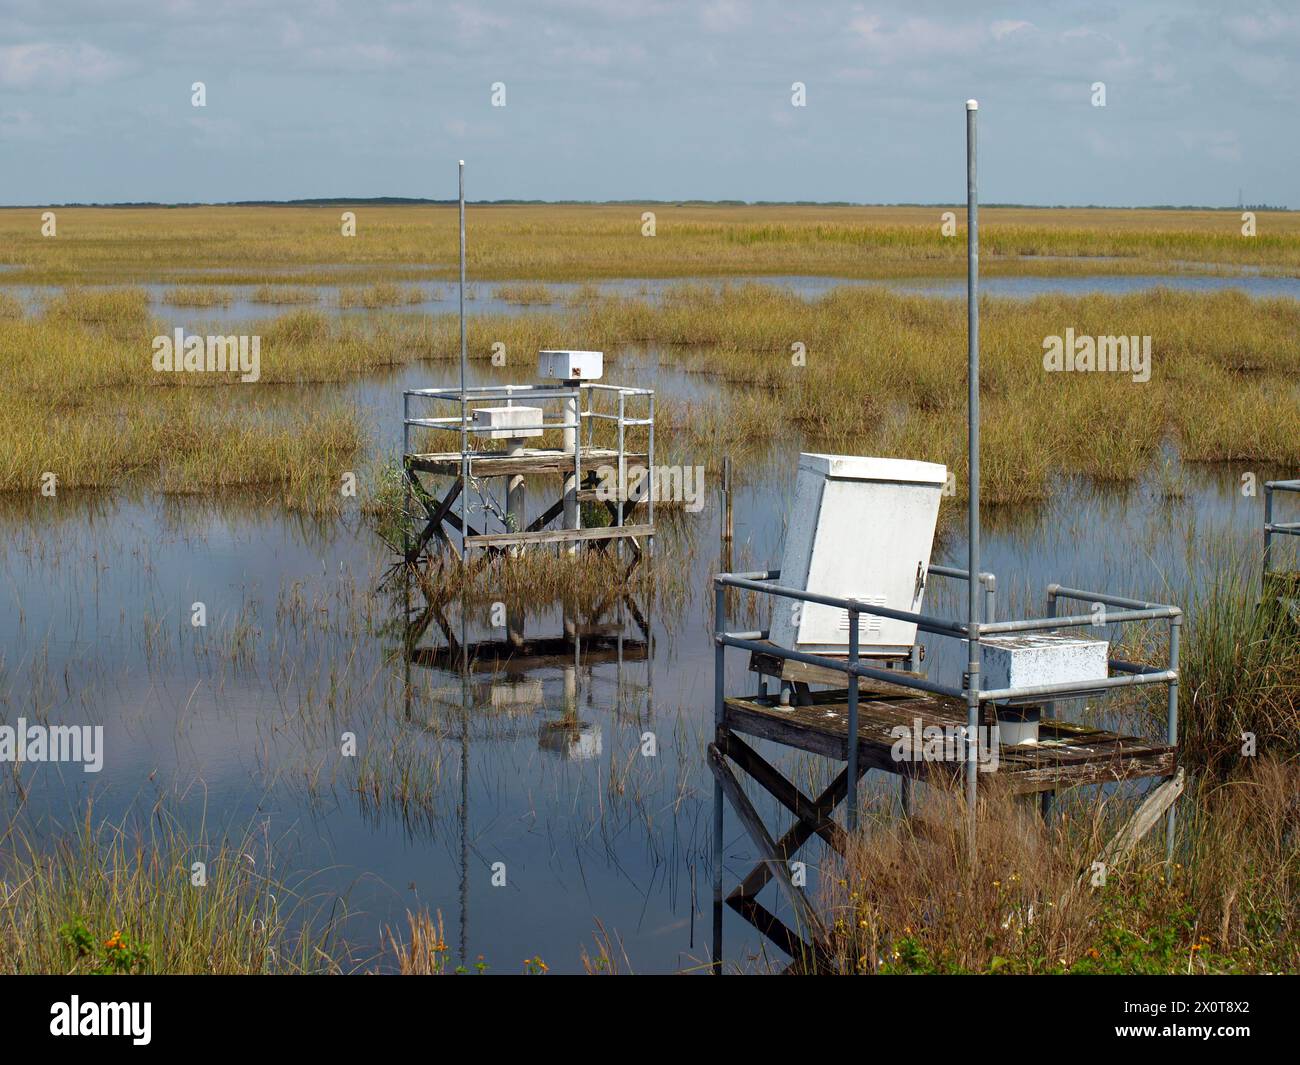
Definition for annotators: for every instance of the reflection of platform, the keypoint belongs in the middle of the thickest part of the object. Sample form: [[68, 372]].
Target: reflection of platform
[[497, 656], [574, 740]]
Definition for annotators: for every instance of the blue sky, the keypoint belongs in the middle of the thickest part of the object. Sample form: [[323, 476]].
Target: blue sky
[[632, 99]]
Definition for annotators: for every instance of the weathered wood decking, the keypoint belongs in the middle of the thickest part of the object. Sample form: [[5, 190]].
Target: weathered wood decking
[[531, 460], [1066, 755]]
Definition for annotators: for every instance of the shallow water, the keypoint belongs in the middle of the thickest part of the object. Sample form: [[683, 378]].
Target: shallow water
[[542, 769], [485, 297]]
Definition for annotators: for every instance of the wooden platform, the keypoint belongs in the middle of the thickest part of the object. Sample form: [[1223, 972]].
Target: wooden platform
[[532, 460], [1066, 754]]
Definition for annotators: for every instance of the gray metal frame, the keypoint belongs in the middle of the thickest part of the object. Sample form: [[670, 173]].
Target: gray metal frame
[[1124, 673], [1272, 528], [460, 424]]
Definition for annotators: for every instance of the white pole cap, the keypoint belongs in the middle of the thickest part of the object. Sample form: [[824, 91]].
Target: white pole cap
[[462, 162], [972, 105]]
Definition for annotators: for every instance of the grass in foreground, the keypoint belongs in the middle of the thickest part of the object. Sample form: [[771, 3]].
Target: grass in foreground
[[108, 899], [909, 899]]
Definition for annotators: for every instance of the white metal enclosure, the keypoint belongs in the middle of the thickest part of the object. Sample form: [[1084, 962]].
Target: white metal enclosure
[[862, 528]]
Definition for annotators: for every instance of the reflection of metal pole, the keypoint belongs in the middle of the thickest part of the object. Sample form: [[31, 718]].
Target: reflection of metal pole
[[973, 450], [719, 685]]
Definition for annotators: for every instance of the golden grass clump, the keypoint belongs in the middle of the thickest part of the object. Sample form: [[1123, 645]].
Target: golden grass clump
[[911, 898]]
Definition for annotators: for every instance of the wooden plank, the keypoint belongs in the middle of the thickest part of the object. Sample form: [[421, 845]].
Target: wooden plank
[[501, 464], [822, 728], [1144, 819], [556, 536]]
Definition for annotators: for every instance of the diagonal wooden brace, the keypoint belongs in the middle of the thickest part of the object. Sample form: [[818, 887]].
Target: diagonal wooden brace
[[772, 857]]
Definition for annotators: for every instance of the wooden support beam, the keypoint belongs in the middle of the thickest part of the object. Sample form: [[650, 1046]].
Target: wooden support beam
[[1144, 819], [767, 847], [435, 515], [804, 954], [798, 834], [815, 812]]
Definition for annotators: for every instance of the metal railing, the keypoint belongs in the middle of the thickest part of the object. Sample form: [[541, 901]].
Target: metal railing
[[1272, 528], [573, 416], [1126, 673]]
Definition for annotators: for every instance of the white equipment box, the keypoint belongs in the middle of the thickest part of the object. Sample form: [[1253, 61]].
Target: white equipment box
[[570, 365], [1021, 660], [862, 528], [508, 423]]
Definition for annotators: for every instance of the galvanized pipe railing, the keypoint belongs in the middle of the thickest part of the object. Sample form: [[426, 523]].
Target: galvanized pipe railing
[[760, 581], [1272, 528]]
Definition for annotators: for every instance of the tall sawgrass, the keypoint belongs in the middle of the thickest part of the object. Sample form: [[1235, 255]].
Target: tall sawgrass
[[911, 898], [256, 245], [1240, 676], [64, 906]]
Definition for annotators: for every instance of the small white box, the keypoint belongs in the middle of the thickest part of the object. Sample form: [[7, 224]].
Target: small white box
[[1025, 659], [504, 423], [570, 365]]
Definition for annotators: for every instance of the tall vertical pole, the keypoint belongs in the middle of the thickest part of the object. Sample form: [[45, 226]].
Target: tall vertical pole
[[851, 795], [464, 406], [973, 449], [1268, 535], [719, 705], [1175, 629]]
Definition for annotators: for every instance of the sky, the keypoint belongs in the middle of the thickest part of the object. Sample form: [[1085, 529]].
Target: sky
[[649, 100]]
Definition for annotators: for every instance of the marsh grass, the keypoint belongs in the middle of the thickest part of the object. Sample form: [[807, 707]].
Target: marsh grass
[[257, 245], [856, 370], [1240, 676], [136, 882], [526, 293], [910, 898], [380, 294], [198, 296], [284, 294]]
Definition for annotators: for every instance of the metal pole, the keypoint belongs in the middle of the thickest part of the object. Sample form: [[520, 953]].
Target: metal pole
[[973, 450], [1268, 534], [1175, 629], [719, 689], [1048, 797], [464, 410], [851, 797]]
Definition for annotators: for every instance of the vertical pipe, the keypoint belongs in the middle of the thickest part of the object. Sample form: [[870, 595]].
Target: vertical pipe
[[1048, 798], [1175, 629], [1268, 535], [650, 461], [851, 797], [464, 409], [622, 458], [719, 685], [572, 446], [728, 528], [406, 476], [973, 450]]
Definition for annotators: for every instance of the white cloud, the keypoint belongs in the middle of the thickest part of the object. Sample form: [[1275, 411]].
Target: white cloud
[[53, 66], [1006, 27]]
